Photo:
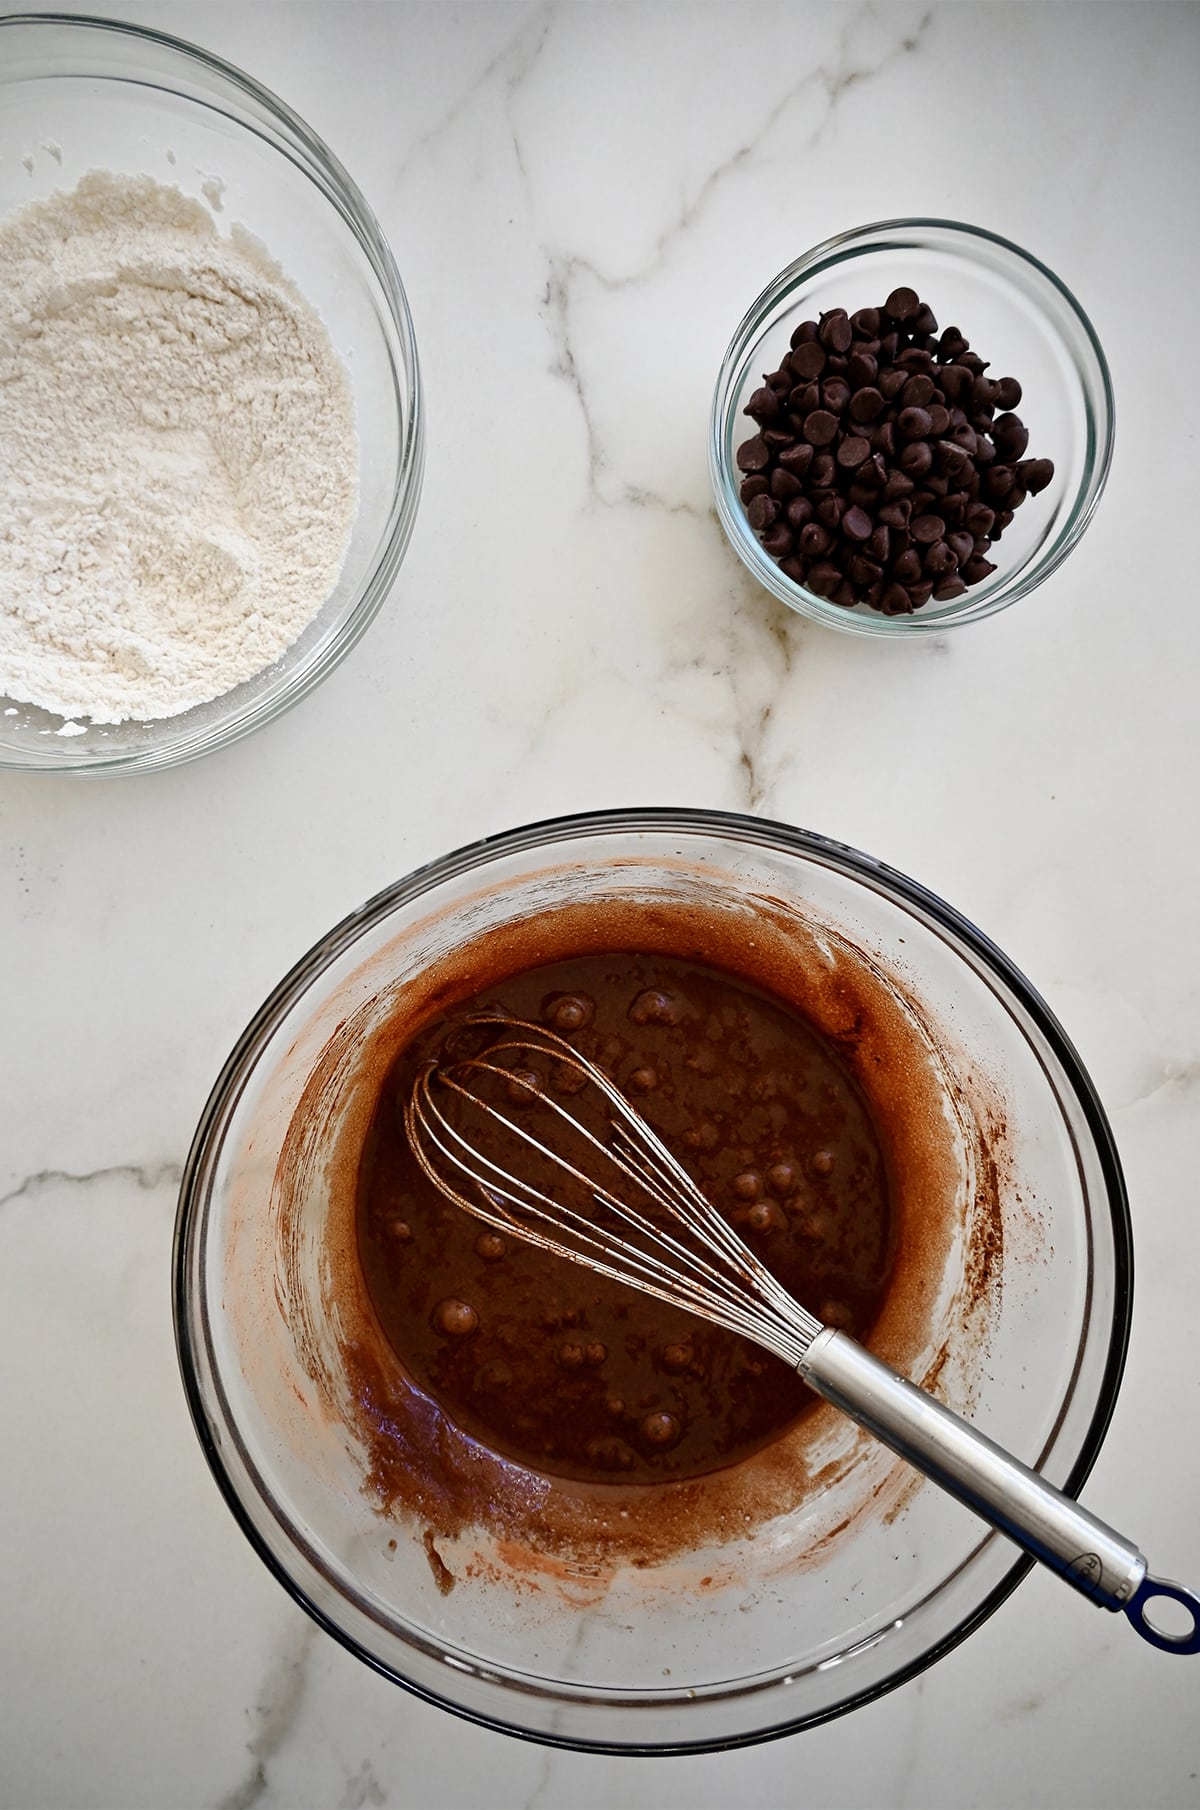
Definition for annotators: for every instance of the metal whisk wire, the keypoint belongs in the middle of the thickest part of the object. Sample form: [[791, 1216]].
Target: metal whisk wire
[[695, 1260]]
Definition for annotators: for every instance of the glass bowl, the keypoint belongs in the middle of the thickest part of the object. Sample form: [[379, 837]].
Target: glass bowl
[[81, 94], [1017, 315], [873, 1574]]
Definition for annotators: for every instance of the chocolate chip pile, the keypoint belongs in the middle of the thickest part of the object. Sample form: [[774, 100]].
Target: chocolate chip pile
[[881, 472]]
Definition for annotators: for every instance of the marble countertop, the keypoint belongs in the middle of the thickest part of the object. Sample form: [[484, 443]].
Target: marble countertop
[[583, 199]]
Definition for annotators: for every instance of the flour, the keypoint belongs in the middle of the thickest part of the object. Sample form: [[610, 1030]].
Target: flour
[[178, 456]]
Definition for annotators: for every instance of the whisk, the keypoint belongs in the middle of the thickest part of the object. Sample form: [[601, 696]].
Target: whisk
[[634, 1214]]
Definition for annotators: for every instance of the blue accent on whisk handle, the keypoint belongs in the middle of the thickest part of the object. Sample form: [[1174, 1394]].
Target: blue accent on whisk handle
[[1051, 1526], [1148, 1591]]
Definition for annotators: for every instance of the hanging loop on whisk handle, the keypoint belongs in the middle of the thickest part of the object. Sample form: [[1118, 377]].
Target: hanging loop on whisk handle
[[1051, 1526]]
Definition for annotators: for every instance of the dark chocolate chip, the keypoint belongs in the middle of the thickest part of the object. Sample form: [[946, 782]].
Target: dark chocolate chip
[[857, 524], [778, 541], [1010, 436], [916, 459], [861, 370], [836, 332], [797, 458], [880, 545], [977, 569], [903, 304], [1008, 393], [784, 484], [808, 360], [865, 322], [927, 528], [913, 424], [822, 471], [804, 334], [835, 394], [917, 391], [852, 451], [824, 578], [798, 512], [814, 541], [752, 487], [762, 512], [754, 455], [819, 428], [948, 588], [763, 406], [1036, 474]]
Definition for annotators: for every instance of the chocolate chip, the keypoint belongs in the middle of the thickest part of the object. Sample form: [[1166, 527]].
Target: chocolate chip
[[1036, 474], [819, 428], [835, 394], [762, 512], [917, 391], [1010, 436], [778, 540], [861, 370], [808, 361], [824, 578], [865, 404], [940, 559], [913, 423], [1008, 393], [798, 512], [753, 455], [977, 569], [857, 524], [763, 405], [948, 588], [804, 334], [903, 304], [752, 487], [814, 541], [916, 459], [797, 458], [836, 332], [852, 451], [784, 484], [865, 322]]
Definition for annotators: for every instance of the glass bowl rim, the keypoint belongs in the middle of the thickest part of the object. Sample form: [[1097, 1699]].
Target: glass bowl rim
[[340, 191], [818, 258], [546, 833]]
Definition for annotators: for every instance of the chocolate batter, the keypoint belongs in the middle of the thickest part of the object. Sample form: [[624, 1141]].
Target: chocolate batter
[[555, 1367]]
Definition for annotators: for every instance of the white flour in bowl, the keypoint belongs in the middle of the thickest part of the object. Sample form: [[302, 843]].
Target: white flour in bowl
[[178, 455]]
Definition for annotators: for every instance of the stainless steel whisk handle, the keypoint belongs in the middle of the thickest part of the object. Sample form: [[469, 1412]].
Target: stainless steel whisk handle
[[1050, 1526]]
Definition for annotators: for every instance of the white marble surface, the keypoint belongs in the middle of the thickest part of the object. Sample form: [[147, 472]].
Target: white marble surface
[[583, 198]]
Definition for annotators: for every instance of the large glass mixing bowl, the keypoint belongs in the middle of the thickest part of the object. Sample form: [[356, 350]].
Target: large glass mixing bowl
[[874, 1575]]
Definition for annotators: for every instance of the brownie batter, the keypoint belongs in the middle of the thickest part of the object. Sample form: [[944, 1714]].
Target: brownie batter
[[562, 1370]]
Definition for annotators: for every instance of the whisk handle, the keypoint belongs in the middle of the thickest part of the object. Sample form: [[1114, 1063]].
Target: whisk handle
[[993, 1484]]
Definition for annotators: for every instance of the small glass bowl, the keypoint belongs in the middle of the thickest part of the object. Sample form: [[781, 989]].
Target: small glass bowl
[[81, 94], [1017, 315], [867, 1581]]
